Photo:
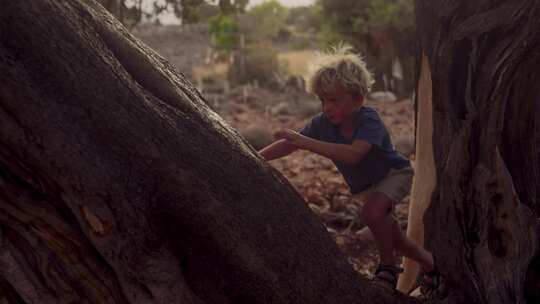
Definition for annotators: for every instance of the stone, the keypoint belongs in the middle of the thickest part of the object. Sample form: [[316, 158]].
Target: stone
[[382, 96], [257, 136]]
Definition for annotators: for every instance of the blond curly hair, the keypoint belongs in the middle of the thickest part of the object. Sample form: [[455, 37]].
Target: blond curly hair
[[339, 67]]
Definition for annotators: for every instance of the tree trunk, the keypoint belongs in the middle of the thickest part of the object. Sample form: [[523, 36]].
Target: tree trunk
[[425, 179], [482, 223], [119, 185]]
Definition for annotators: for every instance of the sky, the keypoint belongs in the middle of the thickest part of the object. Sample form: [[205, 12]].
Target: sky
[[171, 19]]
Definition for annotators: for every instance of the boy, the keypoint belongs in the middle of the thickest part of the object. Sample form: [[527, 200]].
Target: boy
[[356, 140]]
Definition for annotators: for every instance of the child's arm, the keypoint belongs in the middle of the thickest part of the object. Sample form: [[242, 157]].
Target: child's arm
[[277, 149], [349, 154]]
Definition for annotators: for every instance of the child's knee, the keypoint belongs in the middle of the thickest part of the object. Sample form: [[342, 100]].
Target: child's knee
[[373, 213]]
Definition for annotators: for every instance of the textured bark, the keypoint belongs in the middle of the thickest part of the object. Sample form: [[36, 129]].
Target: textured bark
[[119, 185], [424, 172], [482, 223]]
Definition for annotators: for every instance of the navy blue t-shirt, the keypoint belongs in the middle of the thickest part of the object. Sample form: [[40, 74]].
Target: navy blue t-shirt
[[368, 126]]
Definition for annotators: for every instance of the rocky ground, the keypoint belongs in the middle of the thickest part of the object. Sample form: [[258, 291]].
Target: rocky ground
[[257, 113]]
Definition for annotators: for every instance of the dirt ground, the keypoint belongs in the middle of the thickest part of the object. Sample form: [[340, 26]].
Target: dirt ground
[[257, 113]]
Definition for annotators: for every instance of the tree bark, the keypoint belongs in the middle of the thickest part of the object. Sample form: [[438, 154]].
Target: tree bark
[[119, 185], [425, 178], [482, 223]]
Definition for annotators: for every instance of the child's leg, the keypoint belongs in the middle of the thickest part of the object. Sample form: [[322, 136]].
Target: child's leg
[[411, 249], [376, 212], [388, 234], [431, 278]]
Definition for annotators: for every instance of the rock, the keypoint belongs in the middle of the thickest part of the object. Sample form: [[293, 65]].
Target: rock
[[364, 235], [398, 120], [282, 108], [229, 108], [308, 108], [258, 136], [294, 83], [382, 96], [405, 145], [284, 119], [214, 101]]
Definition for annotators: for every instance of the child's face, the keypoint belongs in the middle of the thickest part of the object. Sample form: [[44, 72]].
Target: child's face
[[338, 105]]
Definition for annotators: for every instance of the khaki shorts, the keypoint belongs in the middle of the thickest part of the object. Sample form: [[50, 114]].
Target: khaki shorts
[[396, 185]]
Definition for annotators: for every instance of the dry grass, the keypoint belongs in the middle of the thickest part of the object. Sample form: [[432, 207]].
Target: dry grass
[[203, 71], [297, 61]]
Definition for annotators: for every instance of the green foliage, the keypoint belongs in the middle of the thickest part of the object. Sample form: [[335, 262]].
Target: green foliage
[[224, 31], [328, 36], [232, 7], [259, 62], [186, 10], [382, 30], [351, 18], [265, 20], [189, 10], [387, 13], [130, 12], [339, 15], [206, 11], [305, 18]]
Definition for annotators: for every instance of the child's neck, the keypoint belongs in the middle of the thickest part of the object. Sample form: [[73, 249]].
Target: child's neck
[[346, 128]]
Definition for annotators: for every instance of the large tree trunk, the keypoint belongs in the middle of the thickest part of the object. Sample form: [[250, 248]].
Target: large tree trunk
[[119, 185], [482, 223]]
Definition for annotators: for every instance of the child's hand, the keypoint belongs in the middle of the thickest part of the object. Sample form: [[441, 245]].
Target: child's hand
[[287, 134], [292, 137]]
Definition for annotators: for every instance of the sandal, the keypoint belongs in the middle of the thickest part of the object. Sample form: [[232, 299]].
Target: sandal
[[388, 274], [428, 283], [429, 280]]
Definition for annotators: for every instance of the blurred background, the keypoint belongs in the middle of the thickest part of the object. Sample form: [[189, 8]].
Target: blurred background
[[286, 32], [248, 59]]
